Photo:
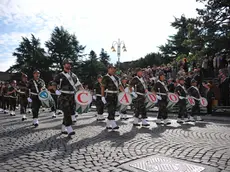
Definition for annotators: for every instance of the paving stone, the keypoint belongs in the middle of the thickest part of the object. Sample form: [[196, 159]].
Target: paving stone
[[95, 149]]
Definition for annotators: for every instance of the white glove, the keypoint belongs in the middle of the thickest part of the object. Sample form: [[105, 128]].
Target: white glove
[[94, 97], [29, 99], [180, 97], [57, 92], [103, 100], [159, 97], [134, 94]]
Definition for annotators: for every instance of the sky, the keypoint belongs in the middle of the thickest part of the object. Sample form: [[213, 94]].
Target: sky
[[142, 25]]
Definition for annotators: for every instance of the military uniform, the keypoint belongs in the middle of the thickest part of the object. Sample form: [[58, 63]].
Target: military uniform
[[162, 91], [12, 93], [140, 89], [35, 86], [68, 83], [98, 102], [193, 91], [111, 84], [23, 94], [180, 90]]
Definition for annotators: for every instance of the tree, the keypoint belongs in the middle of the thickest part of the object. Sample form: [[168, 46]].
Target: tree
[[216, 28], [30, 56], [63, 45], [91, 68], [104, 57]]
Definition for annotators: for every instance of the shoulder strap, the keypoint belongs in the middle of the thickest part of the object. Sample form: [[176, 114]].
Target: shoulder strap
[[70, 79], [113, 79], [142, 81], [36, 86]]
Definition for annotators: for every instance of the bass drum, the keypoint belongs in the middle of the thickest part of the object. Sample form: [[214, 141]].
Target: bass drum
[[173, 100], [150, 100], [124, 100], [46, 99], [83, 100]]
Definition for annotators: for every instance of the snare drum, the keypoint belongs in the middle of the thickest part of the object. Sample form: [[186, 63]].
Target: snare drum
[[124, 100], [46, 99], [203, 102], [173, 99], [83, 100], [190, 102], [150, 100]]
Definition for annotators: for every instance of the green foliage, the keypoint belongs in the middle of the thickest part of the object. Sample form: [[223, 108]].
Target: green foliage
[[30, 56], [63, 45]]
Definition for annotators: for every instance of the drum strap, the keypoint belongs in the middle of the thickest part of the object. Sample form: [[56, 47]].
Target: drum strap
[[163, 84], [70, 79], [142, 81], [36, 86], [114, 80]]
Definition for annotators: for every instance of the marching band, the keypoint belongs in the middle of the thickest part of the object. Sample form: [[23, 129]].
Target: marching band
[[66, 94]]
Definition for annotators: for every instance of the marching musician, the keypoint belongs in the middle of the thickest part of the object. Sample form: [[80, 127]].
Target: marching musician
[[35, 86], [97, 97], [180, 90], [12, 93], [193, 91], [68, 84], [140, 89], [23, 94], [162, 91], [5, 97], [110, 85], [52, 88]]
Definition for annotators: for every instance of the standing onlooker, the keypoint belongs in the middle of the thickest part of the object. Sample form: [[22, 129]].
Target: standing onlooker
[[210, 98]]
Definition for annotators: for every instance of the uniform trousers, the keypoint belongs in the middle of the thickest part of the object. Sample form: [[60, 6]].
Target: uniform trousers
[[140, 109], [67, 105], [182, 109], [163, 111], [99, 105], [12, 102], [111, 105], [196, 108], [35, 105], [23, 104]]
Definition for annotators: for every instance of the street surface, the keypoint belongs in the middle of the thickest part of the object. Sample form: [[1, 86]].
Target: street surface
[[25, 148]]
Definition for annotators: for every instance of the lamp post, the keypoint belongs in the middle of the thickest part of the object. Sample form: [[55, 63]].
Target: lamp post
[[118, 44]]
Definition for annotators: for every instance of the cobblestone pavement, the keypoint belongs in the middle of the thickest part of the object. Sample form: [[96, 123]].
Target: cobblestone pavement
[[25, 148]]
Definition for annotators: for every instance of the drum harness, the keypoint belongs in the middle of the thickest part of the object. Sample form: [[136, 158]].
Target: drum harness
[[143, 83], [163, 84], [70, 79], [115, 83]]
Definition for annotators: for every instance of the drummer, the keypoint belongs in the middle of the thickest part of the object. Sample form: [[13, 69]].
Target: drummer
[[69, 84], [97, 98], [194, 92], [110, 85], [162, 91], [140, 90], [182, 93], [124, 81], [35, 85]]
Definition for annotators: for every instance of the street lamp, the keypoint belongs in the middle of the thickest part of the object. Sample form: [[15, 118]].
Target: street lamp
[[119, 44]]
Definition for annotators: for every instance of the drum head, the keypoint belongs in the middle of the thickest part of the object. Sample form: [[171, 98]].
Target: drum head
[[191, 101], [203, 102], [43, 95], [151, 97], [173, 97], [83, 97], [124, 98]]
